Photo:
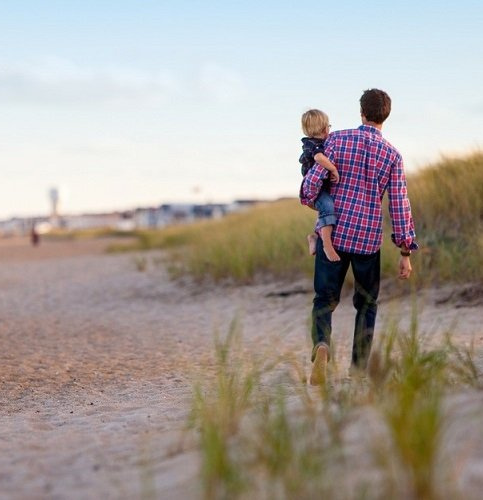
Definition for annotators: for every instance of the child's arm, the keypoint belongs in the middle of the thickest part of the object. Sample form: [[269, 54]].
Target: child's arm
[[321, 159]]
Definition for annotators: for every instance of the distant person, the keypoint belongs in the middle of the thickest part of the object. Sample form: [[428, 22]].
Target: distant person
[[316, 127], [34, 236], [368, 166]]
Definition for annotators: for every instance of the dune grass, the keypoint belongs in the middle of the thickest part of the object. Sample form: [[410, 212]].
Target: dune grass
[[262, 438], [447, 203], [270, 238]]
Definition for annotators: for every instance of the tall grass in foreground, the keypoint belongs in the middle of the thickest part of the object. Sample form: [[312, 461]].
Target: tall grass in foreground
[[378, 438], [218, 411], [270, 239]]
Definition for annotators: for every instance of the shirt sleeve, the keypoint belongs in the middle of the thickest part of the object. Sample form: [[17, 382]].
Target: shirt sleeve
[[328, 149], [312, 183], [400, 208]]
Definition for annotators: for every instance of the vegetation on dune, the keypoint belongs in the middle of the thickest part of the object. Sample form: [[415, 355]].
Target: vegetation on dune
[[264, 434], [270, 238], [447, 203]]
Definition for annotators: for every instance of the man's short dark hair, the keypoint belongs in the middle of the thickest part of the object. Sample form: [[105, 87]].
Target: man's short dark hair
[[375, 105]]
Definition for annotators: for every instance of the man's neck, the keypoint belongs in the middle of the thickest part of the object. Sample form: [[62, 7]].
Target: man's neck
[[371, 124]]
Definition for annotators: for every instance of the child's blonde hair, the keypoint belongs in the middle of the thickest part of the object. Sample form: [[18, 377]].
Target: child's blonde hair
[[314, 122]]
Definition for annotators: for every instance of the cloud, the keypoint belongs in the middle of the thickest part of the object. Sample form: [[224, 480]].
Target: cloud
[[55, 80], [221, 84]]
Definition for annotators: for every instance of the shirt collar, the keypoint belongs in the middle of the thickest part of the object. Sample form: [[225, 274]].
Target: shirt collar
[[313, 139], [368, 128]]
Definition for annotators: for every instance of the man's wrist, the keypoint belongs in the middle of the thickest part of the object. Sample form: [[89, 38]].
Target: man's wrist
[[405, 252]]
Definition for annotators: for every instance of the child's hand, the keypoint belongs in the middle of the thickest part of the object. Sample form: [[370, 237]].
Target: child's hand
[[334, 176]]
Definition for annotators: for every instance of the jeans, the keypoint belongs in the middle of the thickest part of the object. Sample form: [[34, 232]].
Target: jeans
[[328, 280], [325, 206]]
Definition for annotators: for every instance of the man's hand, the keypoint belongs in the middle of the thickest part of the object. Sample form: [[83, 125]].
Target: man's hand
[[321, 159], [334, 176], [405, 268]]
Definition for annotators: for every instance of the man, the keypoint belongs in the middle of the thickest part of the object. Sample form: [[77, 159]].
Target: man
[[368, 166]]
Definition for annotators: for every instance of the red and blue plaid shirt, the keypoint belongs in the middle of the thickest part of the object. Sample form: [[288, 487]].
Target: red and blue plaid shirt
[[368, 166]]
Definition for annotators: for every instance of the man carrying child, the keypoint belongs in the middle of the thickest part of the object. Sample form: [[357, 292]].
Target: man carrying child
[[368, 166]]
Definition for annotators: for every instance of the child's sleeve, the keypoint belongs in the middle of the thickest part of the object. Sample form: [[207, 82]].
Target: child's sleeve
[[318, 149], [309, 150], [307, 157], [312, 184]]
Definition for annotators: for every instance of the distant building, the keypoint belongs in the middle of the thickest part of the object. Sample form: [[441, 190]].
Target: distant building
[[140, 218], [91, 221], [18, 226]]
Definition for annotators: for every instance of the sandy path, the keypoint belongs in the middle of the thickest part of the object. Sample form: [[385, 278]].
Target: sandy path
[[97, 361]]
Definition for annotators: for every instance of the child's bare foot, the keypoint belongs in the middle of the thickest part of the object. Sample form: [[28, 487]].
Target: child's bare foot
[[312, 239], [325, 234], [331, 254]]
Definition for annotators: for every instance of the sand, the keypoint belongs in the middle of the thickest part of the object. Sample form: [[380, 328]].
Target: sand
[[98, 360]]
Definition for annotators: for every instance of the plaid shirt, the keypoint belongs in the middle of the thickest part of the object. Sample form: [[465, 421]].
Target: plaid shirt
[[368, 166]]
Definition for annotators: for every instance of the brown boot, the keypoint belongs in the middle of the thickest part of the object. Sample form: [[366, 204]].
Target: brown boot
[[319, 368]]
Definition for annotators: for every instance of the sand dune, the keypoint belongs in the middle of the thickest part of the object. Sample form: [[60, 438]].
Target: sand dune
[[97, 362]]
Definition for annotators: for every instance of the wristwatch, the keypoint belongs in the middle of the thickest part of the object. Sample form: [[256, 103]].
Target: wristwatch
[[405, 253]]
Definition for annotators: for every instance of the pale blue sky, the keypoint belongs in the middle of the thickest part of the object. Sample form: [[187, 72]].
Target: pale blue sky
[[125, 104]]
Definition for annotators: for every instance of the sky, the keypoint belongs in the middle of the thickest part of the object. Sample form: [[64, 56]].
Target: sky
[[123, 104]]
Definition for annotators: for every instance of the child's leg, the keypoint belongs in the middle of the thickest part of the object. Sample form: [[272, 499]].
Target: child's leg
[[326, 222], [326, 235], [312, 239]]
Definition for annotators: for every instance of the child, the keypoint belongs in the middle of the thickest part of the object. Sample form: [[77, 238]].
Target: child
[[315, 125]]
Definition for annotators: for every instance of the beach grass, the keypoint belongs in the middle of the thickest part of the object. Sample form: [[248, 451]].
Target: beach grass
[[217, 411], [383, 436], [270, 238], [447, 203]]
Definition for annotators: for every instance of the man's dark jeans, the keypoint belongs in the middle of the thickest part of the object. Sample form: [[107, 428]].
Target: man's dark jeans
[[328, 280]]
